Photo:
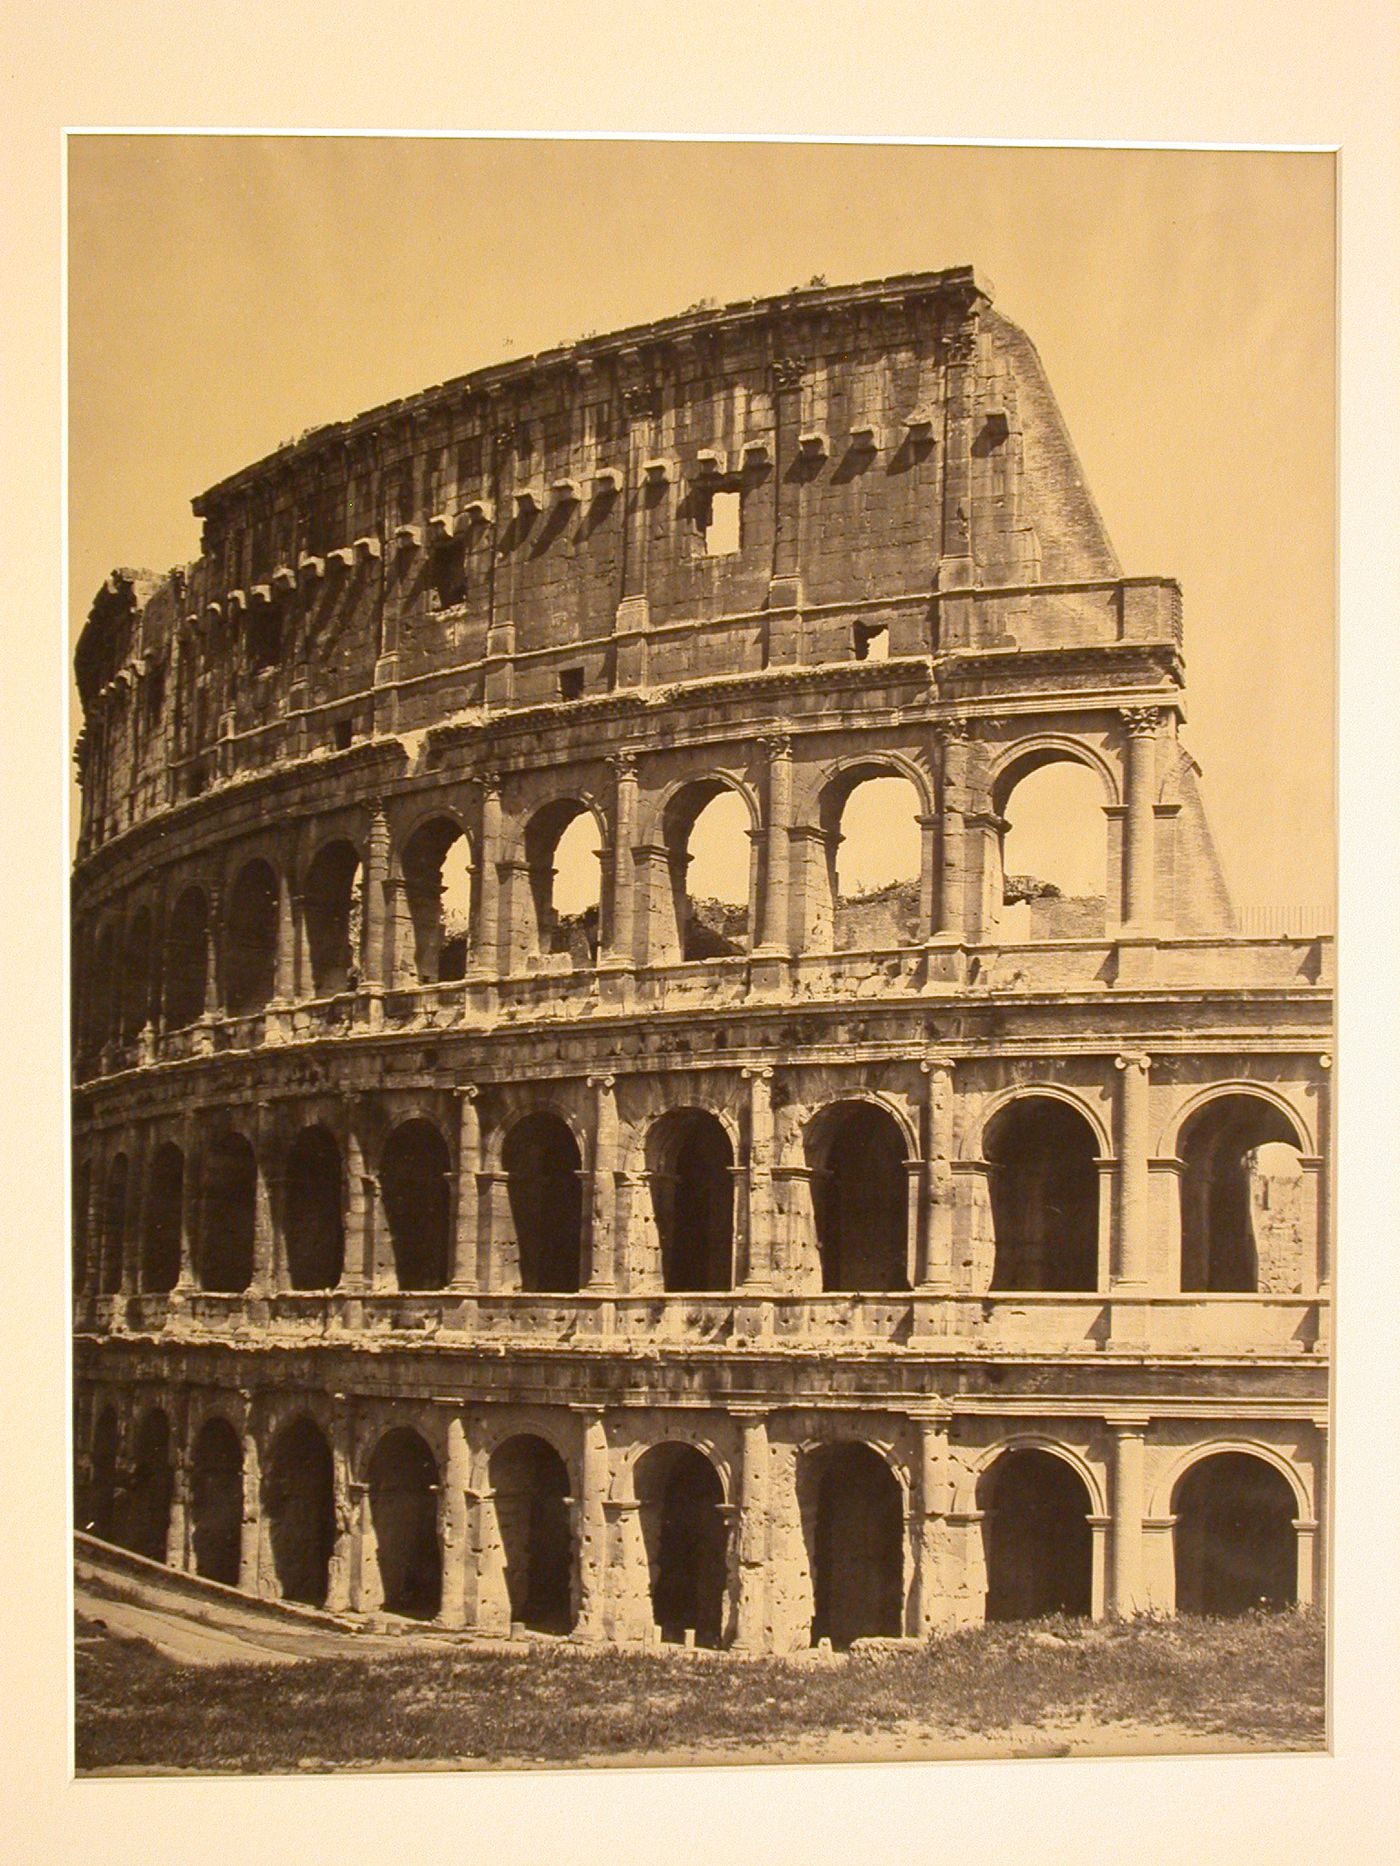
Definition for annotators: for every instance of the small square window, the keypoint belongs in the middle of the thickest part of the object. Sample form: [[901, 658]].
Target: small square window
[[344, 733], [571, 683], [871, 644], [719, 523]]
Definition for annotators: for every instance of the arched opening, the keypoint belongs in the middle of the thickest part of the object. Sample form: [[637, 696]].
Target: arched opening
[[1039, 1546], [1235, 1547], [415, 1173], [152, 1486], [1044, 1185], [250, 940], [437, 876], [531, 1486], [860, 1197], [403, 1484], [561, 854], [136, 976], [186, 955], [855, 1529], [82, 1183], [333, 912], [315, 1218], [690, 1163], [216, 1502], [299, 1510], [230, 1207], [868, 895], [1053, 853], [109, 1279], [709, 852], [681, 1504], [1243, 1221], [543, 1166], [102, 1491], [101, 985], [160, 1244]]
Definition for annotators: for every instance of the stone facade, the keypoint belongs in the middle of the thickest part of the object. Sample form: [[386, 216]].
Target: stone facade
[[845, 1270]]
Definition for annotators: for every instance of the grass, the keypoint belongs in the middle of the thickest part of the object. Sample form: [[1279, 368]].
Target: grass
[[1253, 1681]]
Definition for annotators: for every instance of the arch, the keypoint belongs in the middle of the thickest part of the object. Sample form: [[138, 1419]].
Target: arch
[[690, 1163], [974, 1145], [1234, 1543], [101, 983], [1046, 882], [81, 1240], [438, 895], [403, 1486], [147, 1512], [298, 1505], [1044, 1188], [415, 1175], [543, 1164], [697, 925], [882, 904], [315, 1210], [853, 1523], [250, 938], [1163, 1504], [332, 905], [1019, 759], [216, 1501], [229, 1213], [1036, 1506], [186, 958], [163, 1215], [574, 930], [1169, 1140], [529, 1482], [111, 1264], [1231, 1240], [684, 1532], [101, 1509], [857, 1151], [136, 975]]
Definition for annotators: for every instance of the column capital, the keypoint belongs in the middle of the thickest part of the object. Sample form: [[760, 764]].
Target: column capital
[[467, 1091], [951, 732], [605, 1082], [1140, 722], [490, 782], [929, 1065], [1133, 1424], [757, 1072], [1133, 1060], [624, 765], [777, 743]]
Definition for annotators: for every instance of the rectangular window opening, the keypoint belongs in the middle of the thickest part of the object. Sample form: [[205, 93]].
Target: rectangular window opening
[[871, 644], [571, 683], [344, 733], [719, 524]]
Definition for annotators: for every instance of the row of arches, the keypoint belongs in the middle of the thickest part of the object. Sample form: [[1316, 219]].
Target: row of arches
[[1234, 1531], [864, 870], [1240, 1178]]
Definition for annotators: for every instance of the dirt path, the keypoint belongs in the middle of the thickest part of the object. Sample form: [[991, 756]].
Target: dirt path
[[190, 1642]]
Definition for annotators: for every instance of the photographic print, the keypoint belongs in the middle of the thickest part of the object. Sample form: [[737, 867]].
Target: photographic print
[[702, 1110]]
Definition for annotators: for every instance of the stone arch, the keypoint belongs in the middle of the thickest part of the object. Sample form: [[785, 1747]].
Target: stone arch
[[135, 992], [1043, 1177], [542, 928], [1038, 1544], [974, 1133], [1162, 1500], [1169, 1140], [81, 1223], [298, 1506], [250, 938], [1019, 759], [526, 1422], [186, 958], [415, 1184], [163, 1219], [332, 909], [114, 1216], [1035, 887], [216, 1500], [543, 1164], [968, 1489], [690, 1160], [439, 923], [852, 1504], [894, 910], [858, 1151], [530, 1491], [403, 1483], [1234, 1538], [1241, 1229], [103, 1485], [147, 1512], [681, 1501], [682, 925], [103, 1007], [314, 1220], [229, 1210]]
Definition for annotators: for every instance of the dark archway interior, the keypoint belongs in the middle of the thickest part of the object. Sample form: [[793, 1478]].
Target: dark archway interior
[[1218, 1251], [403, 1481], [414, 1176], [250, 940], [102, 1494], [230, 1207], [160, 1247], [186, 955], [1045, 1196], [860, 1198], [109, 1279], [1235, 1545], [683, 1530], [152, 1485], [692, 1192], [136, 976], [102, 990], [439, 949], [315, 1219], [857, 1547], [1039, 1545], [331, 908], [299, 1507], [216, 1502], [541, 1159], [531, 1486], [82, 1191]]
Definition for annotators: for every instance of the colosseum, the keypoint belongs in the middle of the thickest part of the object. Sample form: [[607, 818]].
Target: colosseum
[[631, 1260]]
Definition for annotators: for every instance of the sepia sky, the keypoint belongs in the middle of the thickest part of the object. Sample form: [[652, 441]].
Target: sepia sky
[[226, 293]]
